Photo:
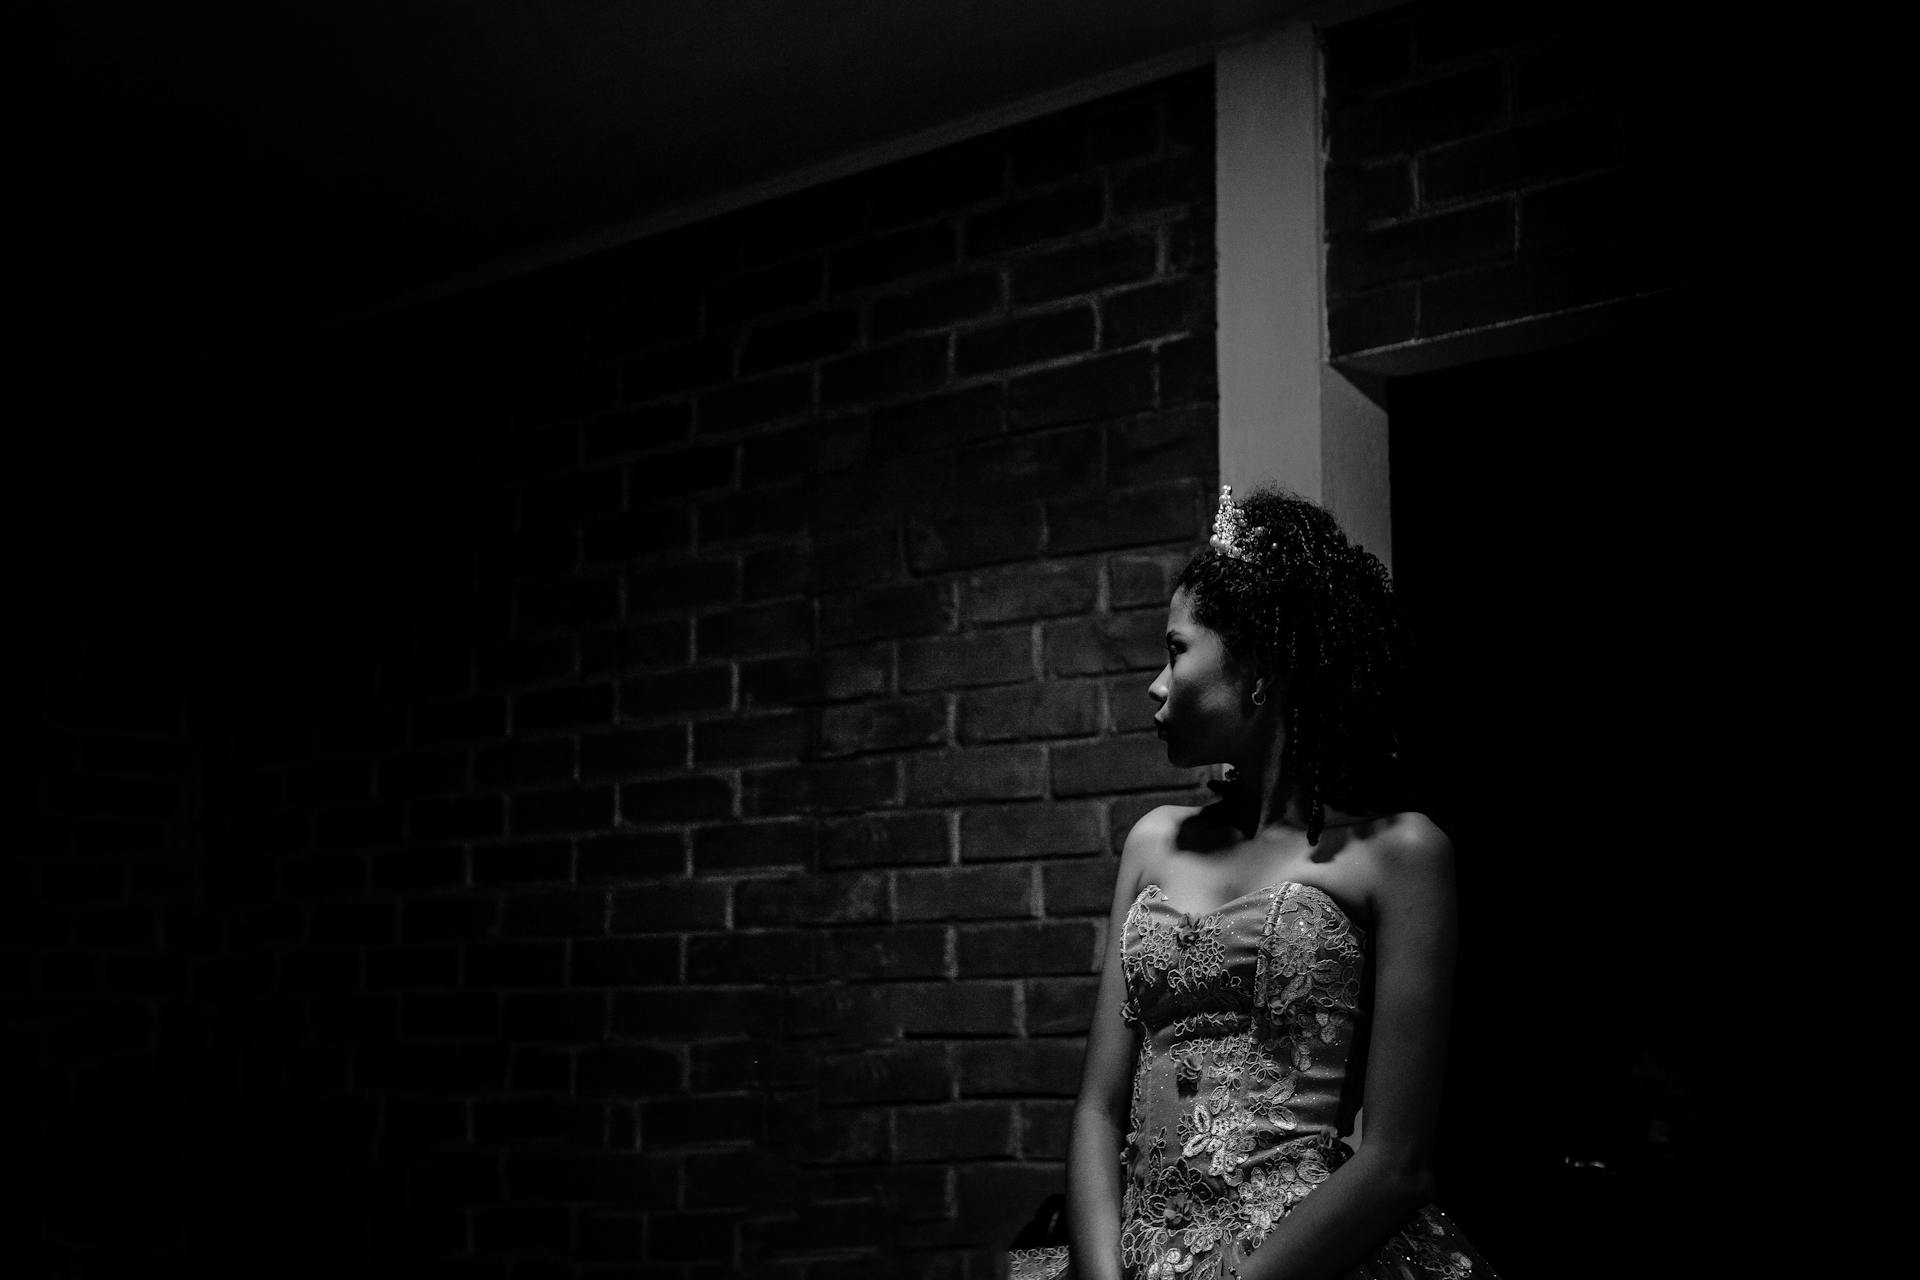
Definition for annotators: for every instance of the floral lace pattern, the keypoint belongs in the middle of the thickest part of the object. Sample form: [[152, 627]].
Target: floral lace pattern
[[1248, 1015]]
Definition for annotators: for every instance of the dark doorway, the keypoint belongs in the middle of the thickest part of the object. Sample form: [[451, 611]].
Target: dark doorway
[[1556, 572]]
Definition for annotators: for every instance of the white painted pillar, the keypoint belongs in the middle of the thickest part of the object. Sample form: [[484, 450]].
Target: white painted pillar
[[1286, 416]]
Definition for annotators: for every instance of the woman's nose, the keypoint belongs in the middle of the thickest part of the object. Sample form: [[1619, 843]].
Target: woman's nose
[[1158, 689]]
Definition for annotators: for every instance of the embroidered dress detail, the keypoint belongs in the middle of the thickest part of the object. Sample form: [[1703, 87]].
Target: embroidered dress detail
[[1242, 1092]]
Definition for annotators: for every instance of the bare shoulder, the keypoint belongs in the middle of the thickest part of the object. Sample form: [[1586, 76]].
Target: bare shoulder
[[1154, 835], [1410, 861], [1413, 840]]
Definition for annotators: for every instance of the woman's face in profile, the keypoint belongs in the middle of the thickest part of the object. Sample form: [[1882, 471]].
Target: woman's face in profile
[[1206, 712]]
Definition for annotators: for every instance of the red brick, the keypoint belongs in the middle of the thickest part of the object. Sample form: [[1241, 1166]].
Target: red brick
[[936, 304], [457, 818], [1035, 219], [631, 855], [1015, 533], [886, 491], [669, 476], [844, 898], [954, 1131], [571, 809], [1163, 186], [672, 1012], [813, 449], [570, 914], [896, 371], [1099, 387], [680, 1122], [1044, 466], [1022, 1068], [883, 726], [891, 257], [759, 1064], [1522, 156], [523, 862], [754, 402], [1166, 308], [647, 426], [740, 846], [976, 773], [1378, 318], [578, 1017], [1144, 577], [1043, 710], [757, 515], [807, 337], [754, 957], [892, 951], [851, 784], [1023, 340], [1131, 641], [1046, 1129], [957, 1008], [1163, 446], [905, 609], [628, 1071], [1042, 589], [964, 893], [653, 530], [1061, 1006], [764, 1179], [1128, 517], [973, 658], [515, 964], [937, 422], [849, 1013], [677, 799], [827, 677], [1062, 946], [1082, 268], [883, 839], [937, 184], [669, 906], [665, 642], [899, 1073], [758, 630], [1032, 830], [574, 605], [838, 1135], [1419, 247], [1082, 887], [774, 571], [775, 737], [1115, 764], [631, 751]]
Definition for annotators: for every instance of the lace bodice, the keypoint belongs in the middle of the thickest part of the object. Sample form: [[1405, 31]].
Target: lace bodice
[[1254, 1025]]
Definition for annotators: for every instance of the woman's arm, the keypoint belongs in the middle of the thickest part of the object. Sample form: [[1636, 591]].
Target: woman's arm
[[1371, 1196], [1106, 1084]]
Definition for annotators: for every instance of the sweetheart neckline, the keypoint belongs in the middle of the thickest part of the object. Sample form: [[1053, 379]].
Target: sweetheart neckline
[[1277, 884]]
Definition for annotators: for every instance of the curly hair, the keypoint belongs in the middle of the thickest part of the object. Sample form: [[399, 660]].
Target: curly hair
[[1317, 611]]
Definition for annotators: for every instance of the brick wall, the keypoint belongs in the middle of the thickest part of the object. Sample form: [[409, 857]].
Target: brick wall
[[1491, 163], [668, 721], [97, 873]]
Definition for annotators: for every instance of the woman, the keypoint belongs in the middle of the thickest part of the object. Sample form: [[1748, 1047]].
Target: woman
[[1278, 954]]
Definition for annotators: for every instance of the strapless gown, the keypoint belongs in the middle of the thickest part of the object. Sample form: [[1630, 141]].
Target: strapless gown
[[1253, 1047]]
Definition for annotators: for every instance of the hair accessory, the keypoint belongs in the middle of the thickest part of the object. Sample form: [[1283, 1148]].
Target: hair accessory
[[1232, 537]]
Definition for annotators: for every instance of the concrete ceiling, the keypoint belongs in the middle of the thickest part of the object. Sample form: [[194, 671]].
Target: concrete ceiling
[[199, 177]]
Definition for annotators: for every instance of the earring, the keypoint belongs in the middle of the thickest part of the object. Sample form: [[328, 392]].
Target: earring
[[1259, 697]]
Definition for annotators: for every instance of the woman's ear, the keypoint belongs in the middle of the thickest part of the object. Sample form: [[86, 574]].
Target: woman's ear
[[1261, 686]]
